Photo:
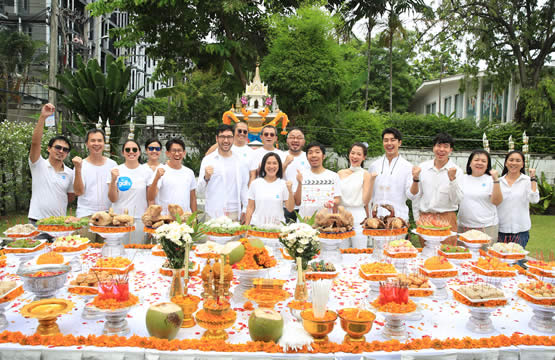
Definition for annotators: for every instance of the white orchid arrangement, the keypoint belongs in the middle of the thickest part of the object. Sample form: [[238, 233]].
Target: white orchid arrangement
[[300, 240], [174, 239]]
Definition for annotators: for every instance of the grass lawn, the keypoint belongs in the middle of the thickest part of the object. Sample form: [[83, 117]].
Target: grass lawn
[[542, 236]]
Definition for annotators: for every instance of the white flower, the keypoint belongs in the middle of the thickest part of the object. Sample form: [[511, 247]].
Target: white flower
[[300, 250], [304, 241]]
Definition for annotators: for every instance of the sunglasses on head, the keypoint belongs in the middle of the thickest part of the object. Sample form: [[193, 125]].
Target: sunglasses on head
[[128, 150], [269, 134], [154, 148], [241, 131], [62, 148]]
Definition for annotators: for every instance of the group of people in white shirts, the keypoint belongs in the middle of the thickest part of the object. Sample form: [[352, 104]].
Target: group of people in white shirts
[[267, 186]]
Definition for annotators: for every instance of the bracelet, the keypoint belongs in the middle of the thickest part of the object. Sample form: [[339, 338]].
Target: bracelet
[[535, 179], [496, 182], [416, 180]]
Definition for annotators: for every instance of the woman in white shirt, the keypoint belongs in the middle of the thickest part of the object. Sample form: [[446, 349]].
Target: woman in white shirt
[[268, 193], [481, 195], [356, 186], [127, 189], [519, 190]]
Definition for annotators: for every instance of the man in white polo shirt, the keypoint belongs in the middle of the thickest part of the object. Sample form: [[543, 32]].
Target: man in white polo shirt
[[52, 184], [224, 178]]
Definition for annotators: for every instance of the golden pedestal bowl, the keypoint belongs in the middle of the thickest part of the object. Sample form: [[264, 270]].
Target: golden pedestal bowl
[[356, 326], [267, 298], [188, 304], [46, 312], [318, 328], [215, 324]]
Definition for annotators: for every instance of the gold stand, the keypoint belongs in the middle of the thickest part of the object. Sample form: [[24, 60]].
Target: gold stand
[[48, 327]]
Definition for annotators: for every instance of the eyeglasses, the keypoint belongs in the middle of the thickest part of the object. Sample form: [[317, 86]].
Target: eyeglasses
[[61, 148], [226, 137], [128, 150], [176, 151], [154, 148], [241, 131], [296, 137], [269, 134]]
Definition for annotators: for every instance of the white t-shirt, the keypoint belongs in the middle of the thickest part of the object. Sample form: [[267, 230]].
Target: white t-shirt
[[476, 209], [317, 190], [49, 189], [175, 187], [131, 184], [229, 173], [257, 155], [95, 196], [243, 152], [145, 165], [268, 198], [299, 162]]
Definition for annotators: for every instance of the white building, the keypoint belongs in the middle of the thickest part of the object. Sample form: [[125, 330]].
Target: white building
[[475, 103]]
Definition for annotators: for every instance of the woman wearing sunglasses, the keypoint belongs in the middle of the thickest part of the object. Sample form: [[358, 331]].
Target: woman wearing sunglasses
[[128, 183], [153, 148]]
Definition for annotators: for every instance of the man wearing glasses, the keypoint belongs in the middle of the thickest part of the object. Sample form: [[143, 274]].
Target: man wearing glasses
[[269, 139], [240, 140], [224, 178], [295, 161], [52, 184], [173, 182]]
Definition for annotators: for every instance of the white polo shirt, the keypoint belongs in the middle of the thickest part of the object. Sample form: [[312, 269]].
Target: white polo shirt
[[436, 193], [49, 189]]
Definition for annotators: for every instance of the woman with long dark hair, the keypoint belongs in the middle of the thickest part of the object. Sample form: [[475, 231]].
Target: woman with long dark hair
[[268, 193], [481, 195], [519, 190]]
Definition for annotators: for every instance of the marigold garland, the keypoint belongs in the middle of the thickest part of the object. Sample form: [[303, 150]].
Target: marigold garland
[[357, 251], [63, 249], [112, 304], [254, 258], [112, 229], [111, 341], [8, 250], [127, 246], [525, 296], [394, 308]]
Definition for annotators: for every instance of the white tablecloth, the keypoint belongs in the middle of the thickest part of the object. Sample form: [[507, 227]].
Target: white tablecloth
[[442, 319]]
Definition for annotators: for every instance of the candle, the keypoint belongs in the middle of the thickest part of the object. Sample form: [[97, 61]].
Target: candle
[[186, 261]]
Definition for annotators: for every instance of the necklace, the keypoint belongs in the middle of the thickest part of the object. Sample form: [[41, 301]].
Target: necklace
[[393, 168]]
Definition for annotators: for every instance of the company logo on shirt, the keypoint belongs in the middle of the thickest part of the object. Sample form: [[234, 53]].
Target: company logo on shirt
[[277, 196], [483, 184], [124, 183]]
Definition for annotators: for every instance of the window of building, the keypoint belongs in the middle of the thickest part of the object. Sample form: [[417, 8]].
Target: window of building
[[458, 106], [431, 108], [447, 106]]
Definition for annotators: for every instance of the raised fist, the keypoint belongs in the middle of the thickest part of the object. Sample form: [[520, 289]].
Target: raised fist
[[208, 172], [532, 172], [373, 175], [47, 110], [77, 161], [416, 172], [160, 172], [288, 160], [452, 173], [299, 177], [115, 173], [494, 174], [289, 185]]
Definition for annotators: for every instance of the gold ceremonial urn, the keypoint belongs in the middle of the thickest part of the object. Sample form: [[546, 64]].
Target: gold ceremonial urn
[[46, 312]]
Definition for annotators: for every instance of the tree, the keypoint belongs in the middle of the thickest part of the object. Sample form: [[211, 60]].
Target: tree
[[208, 33], [18, 52], [353, 11], [510, 36], [89, 93], [302, 65], [393, 29]]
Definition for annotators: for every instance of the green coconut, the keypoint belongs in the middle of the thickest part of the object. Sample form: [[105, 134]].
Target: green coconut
[[234, 250], [265, 325], [164, 320], [256, 242]]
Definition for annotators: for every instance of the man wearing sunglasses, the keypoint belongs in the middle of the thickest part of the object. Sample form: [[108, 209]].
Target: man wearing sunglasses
[[269, 139], [90, 184], [224, 178], [173, 182], [52, 184]]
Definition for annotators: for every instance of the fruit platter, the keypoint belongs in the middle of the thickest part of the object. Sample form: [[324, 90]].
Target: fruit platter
[[539, 296], [224, 226], [20, 231], [400, 249], [453, 252], [24, 246], [433, 226], [61, 224], [69, 244], [265, 231], [481, 300], [320, 269]]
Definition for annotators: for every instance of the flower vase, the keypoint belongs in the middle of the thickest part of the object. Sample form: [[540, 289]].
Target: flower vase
[[301, 290], [176, 286]]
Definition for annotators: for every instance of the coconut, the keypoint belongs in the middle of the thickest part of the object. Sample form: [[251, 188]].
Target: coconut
[[265, 325], [256, 242], [164, 320], [234, 250]]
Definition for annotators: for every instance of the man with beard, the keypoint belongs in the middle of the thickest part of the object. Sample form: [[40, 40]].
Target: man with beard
[[320, 186], [224, 178], [52, 180], [295, 160], [173, 182], [240, 140], [90, 176], [436, 186], [269, 139]]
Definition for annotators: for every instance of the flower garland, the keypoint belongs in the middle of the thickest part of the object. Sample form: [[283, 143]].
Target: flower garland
[[357, 251], [127, 246], [60, 340]]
